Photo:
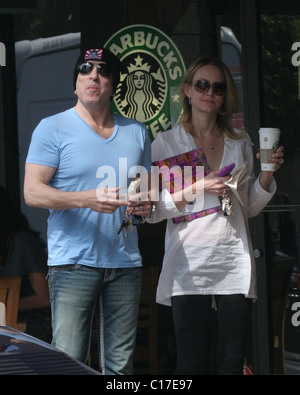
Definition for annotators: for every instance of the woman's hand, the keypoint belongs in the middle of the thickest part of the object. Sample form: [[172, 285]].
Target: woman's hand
[[277, 157], [214, 184], [209, 184], [266, 176]]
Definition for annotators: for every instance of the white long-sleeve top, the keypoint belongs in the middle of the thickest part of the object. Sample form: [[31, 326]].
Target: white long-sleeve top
[[211, 255]]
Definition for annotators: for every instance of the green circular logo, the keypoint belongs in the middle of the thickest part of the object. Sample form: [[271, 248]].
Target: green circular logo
[[152, 70]]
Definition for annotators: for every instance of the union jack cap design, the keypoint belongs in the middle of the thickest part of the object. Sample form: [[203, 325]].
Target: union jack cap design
[[93, 54]]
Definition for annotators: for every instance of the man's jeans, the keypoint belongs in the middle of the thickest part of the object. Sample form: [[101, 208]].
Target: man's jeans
[[75, 290]]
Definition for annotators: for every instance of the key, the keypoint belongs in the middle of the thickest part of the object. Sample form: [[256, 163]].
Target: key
[[130, 225], [124, 224], [226, 205], [127, 221], [229, 209], [223, 205]]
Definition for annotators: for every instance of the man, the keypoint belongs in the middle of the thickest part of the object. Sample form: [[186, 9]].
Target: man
[[68, 170]]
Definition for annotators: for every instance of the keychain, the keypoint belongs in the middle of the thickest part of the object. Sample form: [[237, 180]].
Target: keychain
[[127, 221], [226, 204], [130, 219]]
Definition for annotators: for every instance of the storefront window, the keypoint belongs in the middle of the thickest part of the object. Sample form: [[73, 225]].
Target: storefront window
[[280, 44], [281, 108]]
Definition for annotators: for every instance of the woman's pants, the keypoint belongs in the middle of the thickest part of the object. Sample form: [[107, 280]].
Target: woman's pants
[[192, 316]]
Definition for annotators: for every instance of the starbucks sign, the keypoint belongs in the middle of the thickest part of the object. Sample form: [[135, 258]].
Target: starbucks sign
[[152, 70]]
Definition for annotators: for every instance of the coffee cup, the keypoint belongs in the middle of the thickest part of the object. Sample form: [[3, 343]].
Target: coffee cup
[[268, 142]]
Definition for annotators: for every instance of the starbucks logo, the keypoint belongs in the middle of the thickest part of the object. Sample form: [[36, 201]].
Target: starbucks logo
[[152, 70], [143, 89]]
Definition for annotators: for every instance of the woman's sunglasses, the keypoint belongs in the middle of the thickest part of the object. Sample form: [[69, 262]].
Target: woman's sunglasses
[[102, 68], [203, 86]]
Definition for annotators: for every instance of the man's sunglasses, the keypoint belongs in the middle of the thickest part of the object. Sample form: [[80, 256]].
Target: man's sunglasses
[[102, 68], [203, 86]]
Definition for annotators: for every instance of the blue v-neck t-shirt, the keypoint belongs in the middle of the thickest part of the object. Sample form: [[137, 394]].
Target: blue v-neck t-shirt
[[84, 160]]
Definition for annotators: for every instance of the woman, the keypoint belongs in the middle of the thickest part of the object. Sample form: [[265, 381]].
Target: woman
[[208, 260]]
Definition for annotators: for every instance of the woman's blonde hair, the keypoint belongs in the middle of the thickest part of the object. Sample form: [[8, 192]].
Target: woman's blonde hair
[[231, 99]]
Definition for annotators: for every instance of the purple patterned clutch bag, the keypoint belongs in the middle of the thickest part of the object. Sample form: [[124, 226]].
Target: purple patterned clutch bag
[[192, 158]]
